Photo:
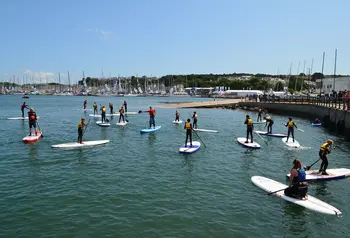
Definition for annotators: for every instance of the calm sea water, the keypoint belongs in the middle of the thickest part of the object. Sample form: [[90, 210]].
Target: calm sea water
[[140, 186]]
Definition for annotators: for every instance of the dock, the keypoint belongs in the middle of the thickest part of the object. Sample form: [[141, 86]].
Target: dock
[[227, 103]]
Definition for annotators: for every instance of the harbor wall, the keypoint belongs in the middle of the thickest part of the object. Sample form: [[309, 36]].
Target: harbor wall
[[334, 119]]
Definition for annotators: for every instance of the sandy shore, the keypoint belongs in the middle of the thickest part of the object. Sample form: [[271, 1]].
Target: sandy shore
[[205, 104]]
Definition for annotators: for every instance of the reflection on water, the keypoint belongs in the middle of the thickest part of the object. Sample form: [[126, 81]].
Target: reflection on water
[[33, 153], [319, 189], [151, 139], [294, 219]]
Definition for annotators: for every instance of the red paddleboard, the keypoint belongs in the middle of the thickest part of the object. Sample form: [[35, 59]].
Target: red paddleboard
[[33, 137]]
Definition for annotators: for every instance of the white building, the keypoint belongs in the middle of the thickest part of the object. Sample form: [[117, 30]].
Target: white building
[[327, 84]]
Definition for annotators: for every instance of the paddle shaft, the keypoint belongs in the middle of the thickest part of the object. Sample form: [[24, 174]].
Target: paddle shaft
[[39, 128], [275, 191], [86, 126], [262, 138], [308, 167]]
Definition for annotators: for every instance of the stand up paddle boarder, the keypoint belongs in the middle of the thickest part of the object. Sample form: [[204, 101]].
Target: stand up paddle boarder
[[95, 108], [259, 115], [121, 112], [24, 105], [110, 107], [177, 116], [188, 128], [32, 121], [195, 117], [126, 106], [325, 149], [152, 114], [290, 124], [269, 123], [297, 185], [250, 127], [81, 126], [85, 104], [103, 114]]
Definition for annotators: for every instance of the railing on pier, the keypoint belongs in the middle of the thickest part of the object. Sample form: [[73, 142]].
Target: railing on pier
[[340, 103]]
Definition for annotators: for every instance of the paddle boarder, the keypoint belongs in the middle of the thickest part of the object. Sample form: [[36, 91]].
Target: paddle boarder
[[259, 114], [152, 114], [95, 108], [269, 123], [81, 126], [195, 117], [110, 107], [325, 149], [121, 112], [126, 106], [103, 114], [24, 105], [177, 116], [85, 104], [32, 121], [297, 185], [290, 124], [188, 128], [250, 127]]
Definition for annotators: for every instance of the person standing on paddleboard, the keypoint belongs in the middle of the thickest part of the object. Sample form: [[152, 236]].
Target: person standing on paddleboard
[[110, 108], [24, 105], [290, 124], [297, 185], [152, 114], [250, 127], [121, 112], [259, 115], [95, 108], [85, 104], [188, 128], [32, 121], [269, 123], [81, 125], [177, 116], [103, 114], [325, 149], [195, 118], [126, 106]]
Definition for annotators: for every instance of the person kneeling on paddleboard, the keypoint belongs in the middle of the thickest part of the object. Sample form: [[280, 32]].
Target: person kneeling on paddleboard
[[250, 127], [269, 123], [22, 108], [195, 117], [325, 149], [103, 114], [188, 128], [152, 114], [32, 121], [81, 125], [317, 121], [121, 112], [290, 124], [177, 116], [297, 185], [95, 108]]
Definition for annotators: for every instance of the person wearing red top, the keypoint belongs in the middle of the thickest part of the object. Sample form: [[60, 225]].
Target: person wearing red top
[[24, 105], [152, 114]]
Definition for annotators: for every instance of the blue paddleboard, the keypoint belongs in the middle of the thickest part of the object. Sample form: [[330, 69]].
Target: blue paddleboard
[[189, 150], [150, 130], [271, 134], [316, 124]]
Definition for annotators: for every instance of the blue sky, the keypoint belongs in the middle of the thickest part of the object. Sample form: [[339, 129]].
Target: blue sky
[[158, 37]]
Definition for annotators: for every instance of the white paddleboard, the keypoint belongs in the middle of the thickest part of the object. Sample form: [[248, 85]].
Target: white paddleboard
[[316, 124], [105, 124], [189, 150], [242, 140], [121, 123], [150, 130], [313, 175], [205, 130], [19, 118], [310, 202], [107, 115], [131, 113], [270, 134], [33, 137], [177, 122], [290, 142], [96, 115], [260, 122], [77, 145]]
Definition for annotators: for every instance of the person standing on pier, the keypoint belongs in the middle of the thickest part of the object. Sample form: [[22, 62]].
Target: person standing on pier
[[177, 116], [95, 108], [269, 123], [290, 124], [188, 128], [259, 114], [250, 127], [24, 105], [103, 114], [126, 106], [195, 118], [111, 108], [325, 149]]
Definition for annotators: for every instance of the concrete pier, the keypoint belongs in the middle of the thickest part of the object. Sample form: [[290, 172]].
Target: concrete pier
[[227, 103], [335, 119]]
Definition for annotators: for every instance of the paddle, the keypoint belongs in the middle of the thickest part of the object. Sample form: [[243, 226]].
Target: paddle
[[308, 167], [86, 126], [39, 129], [275, 191], [195, 132], [261, 138]]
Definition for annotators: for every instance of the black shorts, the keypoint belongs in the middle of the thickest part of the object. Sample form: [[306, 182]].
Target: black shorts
[[32, 124]]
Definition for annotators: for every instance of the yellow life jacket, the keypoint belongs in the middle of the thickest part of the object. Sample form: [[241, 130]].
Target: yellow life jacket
[[196, 115], [249, 122], [121, 110], [188, 125], [290, 124], [80, 124], [104, 109], [95, 105], [324, 147], [268, 119]]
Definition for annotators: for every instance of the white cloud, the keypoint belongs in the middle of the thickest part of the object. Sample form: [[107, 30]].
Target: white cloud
[[100, 32]]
